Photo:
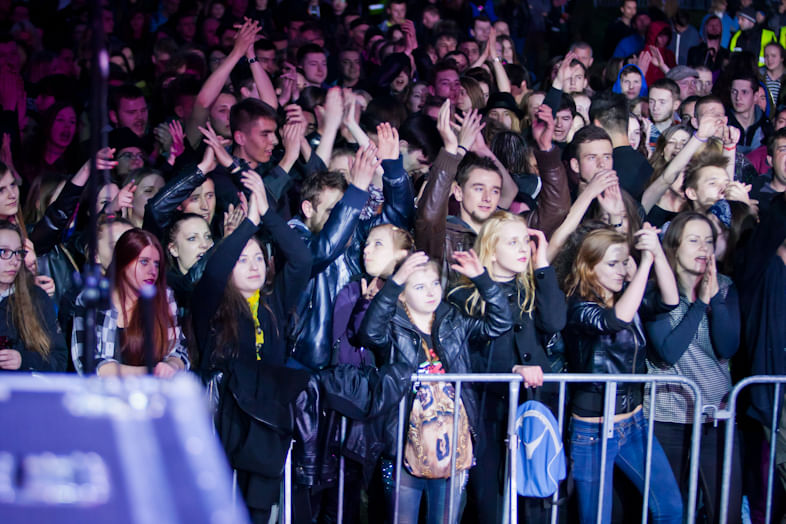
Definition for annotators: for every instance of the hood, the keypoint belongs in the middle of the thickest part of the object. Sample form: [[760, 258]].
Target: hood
[[654, 30], [617, 88]]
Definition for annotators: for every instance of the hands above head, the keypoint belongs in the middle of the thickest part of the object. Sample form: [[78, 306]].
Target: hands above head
[[363, 166], [245, 37], [257, 203], [467, 263], [334, 108], [445, 130], [543, 127], [564, 71], [648, 242], [216, 144], [234, 215], [413, 263], [739, 192], [387, 142], [469, 131], [123, 200]]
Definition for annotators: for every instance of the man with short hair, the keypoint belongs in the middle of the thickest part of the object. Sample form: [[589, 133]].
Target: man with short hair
[[446, 81], [350, 64], [610, 112], [265, 53], [745, 115], [685, 37], [583, 52], [312, 59], [576, 79], [444, 44], [397, 14], [620, 28], [471, 50], [128, 108], [664, 100], [481, 29], [706, 180], [765, 187], [750, 37], [705, 81]]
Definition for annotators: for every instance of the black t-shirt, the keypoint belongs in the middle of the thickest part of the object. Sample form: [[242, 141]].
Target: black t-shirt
[[632, 169], [659, 216]]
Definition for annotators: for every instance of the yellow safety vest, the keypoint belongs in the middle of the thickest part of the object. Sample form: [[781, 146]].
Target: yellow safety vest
[[782, 37], [767, 36]]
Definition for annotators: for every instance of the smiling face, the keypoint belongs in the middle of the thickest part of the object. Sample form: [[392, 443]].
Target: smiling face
[[696, 244], [144, 270], [562, 124], [612, 269], [512, 253], [201, 201], [479, 196], [258, 141], [250, 270], [315, 68], [9, 196], [423, 291], [381, 254], [190, 243], [9, 240]]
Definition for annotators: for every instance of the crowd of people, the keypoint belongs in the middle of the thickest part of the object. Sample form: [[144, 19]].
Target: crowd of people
[[324, 198]]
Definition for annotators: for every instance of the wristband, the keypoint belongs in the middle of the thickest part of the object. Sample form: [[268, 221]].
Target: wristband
[[732, 148], [697, 137], [464, 148], [252, 60]]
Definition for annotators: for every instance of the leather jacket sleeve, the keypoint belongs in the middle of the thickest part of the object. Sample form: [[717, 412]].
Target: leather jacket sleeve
[[595, 319], [498, 318], [48, 231], [399, 206], [554, 200], [363, 393], [432, 212], [375, 329], [304, 450], [159, 209], [327, 245], [551, 308]]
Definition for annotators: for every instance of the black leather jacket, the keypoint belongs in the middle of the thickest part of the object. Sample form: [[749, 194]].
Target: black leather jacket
[[388, 332], [596, 341]]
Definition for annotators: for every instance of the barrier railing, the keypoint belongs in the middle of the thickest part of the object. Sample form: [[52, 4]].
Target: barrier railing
[[510, 509], [730, 415]]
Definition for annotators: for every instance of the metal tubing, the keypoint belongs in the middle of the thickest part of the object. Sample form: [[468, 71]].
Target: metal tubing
[[513, 444], [453, 447], [341, 478], [648, 454], [402, 406], [773, 442], [561, 422], [609, 403], [729, 416], [288, 487]]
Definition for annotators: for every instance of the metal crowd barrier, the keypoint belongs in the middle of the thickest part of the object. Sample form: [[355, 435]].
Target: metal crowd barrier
[[730, 415], [510, 510]]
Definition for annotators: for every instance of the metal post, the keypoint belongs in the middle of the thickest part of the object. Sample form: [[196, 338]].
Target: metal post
[[453, 446], [773, 441], [513, 444], [610, 402], [402, 406], [648, 455], [288, 487], [561, 422], [341, 465]]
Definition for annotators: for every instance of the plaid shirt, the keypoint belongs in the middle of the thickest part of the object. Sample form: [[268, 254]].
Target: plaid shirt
[[106, 336]]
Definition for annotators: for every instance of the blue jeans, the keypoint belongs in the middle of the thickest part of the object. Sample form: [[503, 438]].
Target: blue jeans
[[436, 490], [627, 449]]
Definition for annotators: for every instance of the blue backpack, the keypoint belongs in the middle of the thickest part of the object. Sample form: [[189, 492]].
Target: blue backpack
[[541, 456]]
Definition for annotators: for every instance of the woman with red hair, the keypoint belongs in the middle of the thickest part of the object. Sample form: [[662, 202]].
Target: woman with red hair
[[120, 331]]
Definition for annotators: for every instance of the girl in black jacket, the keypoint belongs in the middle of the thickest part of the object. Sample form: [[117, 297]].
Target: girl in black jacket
[[241, 333], [515, 257], [407, 322]]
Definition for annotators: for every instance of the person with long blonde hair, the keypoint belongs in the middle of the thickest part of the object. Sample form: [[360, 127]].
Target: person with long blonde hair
[[515, 258]]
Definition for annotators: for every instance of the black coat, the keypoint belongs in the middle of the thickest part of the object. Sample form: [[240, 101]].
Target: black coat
[[596, 341], [32, 360], [387, 330]]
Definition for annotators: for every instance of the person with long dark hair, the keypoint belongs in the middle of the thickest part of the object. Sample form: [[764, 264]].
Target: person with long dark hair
[[30, 339], [120, 328]]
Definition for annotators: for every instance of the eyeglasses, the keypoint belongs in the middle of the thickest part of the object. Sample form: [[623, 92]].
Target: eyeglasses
[[6, 254], [131, 156]]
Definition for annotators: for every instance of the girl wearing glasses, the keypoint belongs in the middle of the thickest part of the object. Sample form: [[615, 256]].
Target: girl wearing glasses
[[29, 337]]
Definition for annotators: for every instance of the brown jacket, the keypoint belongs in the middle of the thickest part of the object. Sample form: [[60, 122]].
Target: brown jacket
[[554, 198]]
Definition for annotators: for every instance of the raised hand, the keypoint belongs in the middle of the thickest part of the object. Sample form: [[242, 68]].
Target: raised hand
[[370, 290], [445, 131], [123, 200], [467, 263], [334, 108], [471, 126], [245, 36], [178, 143], [543, 127], [731, 136], [413, 263], [564, 70], [258, 200], [387, 142], [234, 215], [611, 201], [738, 191], [647, 241], [217, 144], [364, 165]]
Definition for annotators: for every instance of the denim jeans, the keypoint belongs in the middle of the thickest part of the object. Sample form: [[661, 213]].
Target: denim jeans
[[626, 449], [436, 490]]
